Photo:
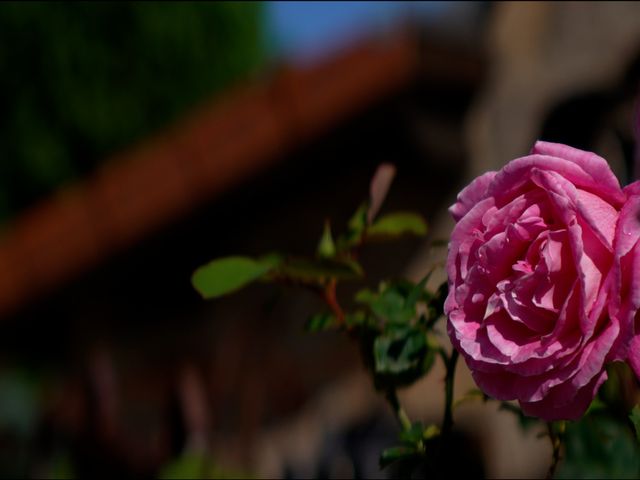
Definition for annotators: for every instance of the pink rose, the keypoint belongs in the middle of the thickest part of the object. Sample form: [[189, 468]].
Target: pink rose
[[626, 297], [628, 261], [531, 273]]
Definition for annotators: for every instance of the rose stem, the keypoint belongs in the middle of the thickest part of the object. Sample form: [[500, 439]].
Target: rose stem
[[450, 364], [330, 297], [401, 415], [556, 442]]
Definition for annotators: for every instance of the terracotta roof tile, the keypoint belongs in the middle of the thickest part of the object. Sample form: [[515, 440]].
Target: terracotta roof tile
[[210, 151]]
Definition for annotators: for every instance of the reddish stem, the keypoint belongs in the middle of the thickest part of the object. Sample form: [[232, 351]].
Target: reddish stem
[[332, 300]]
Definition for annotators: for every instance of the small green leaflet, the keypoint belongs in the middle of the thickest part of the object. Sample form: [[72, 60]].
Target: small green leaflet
[[326, 246], [395, 302], [413, 434], [228, 274], [399, 350], [394, 454], [320, 322], [318, 271], [397, 224]]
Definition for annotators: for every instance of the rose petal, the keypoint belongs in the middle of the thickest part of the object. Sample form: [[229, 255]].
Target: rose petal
[[471, 195], [576, 403], [597, 167], [634, 355], [515, 177], [464, 233]]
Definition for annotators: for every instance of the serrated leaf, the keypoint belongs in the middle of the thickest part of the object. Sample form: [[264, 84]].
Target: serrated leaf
[[394, 454], [391, 305], [394, 303], [320, 322], [326, 246], [226, 275], [379, 187], [399, 350], [397, 224], [634, 416]]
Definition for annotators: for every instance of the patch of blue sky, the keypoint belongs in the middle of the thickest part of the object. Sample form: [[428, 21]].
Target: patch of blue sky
[[304, 31]]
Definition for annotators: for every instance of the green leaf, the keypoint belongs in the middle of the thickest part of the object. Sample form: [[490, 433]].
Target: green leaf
[[358, 319], [397, 224], [318, 271], [352, 264], [366, 296], [414, 434], [320, 322], [355, 229], [635, 419], [418, 292], [399, 350], [358, 221], [391, 305], [393, 454], [326, 246], [430, 432], [226, 275], [395, 303]]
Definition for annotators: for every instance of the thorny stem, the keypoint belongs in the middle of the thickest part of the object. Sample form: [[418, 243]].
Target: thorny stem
[[450, 364], [401, 415], [556, 443], [330, 297]]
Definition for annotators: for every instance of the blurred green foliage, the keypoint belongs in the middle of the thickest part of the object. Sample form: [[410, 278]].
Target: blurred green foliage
[[79, 81], [599, 447], [197, 465], [20, 410], [393, 324]]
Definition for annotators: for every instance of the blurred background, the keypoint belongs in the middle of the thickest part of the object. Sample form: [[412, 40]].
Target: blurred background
[[141, 140]]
